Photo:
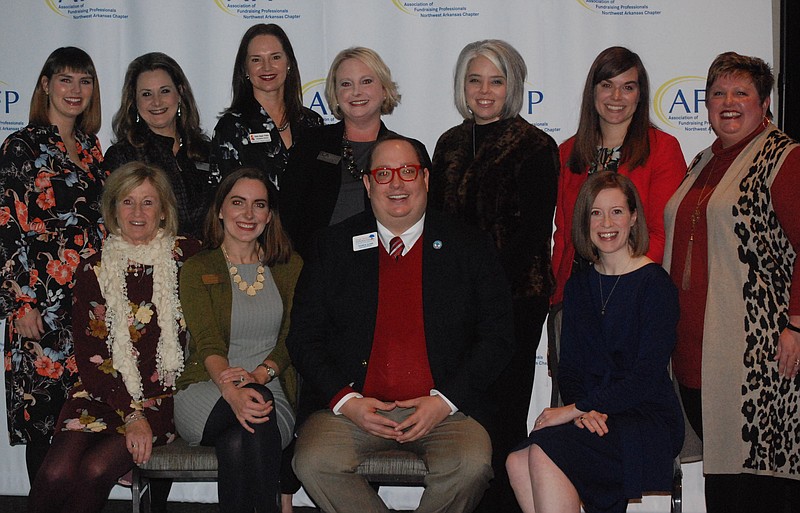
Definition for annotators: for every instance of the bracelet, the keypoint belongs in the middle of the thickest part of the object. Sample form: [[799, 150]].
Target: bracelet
[[792, 327], [134, 416]]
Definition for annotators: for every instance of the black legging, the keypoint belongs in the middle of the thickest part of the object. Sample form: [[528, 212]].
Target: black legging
[[79, 471], [249, 463]]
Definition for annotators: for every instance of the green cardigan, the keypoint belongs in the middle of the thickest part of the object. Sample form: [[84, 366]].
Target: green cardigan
[[205, 292]]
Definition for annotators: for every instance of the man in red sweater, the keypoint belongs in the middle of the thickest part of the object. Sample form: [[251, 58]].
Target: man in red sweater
[[401, 320]]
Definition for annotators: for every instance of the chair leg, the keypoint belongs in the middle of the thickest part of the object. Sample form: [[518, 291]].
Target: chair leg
[[140, 492], [136, 492], [676, 505]]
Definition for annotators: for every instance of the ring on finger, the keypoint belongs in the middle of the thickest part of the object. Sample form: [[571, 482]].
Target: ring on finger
[[582, 418], [133, 446], [241, 379]]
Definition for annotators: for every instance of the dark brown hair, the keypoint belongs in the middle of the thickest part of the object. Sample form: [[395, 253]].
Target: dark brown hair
[[64, 59], [611, 62], [243, 98], [274, 243], [638, 238], [188, 123]]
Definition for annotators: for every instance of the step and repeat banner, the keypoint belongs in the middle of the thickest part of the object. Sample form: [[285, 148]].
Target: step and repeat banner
[[419, 40]]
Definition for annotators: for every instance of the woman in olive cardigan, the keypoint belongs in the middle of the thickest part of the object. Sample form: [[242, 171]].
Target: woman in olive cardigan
[[236, 392], [209, 265]]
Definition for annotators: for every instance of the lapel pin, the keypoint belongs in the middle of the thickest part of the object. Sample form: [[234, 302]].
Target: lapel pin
[[437, 244]]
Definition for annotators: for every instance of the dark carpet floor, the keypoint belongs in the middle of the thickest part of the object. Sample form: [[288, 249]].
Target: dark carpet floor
[[15, 504]]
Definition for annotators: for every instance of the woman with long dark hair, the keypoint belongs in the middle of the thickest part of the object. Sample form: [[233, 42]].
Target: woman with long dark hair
[[238, 388], [615, 134], [266, 117], [158, 123]]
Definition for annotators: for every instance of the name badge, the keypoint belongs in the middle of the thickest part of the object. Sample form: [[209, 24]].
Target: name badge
[[365, 241], [330, 158], [264, 137]]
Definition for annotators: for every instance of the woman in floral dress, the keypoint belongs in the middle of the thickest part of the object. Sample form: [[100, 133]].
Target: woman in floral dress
[[129, 338], [49, 219]]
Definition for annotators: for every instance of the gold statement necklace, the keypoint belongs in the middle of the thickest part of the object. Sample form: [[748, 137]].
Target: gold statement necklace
[[250, 290]]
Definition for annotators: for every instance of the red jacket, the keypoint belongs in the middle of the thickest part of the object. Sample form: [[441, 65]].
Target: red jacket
[[656, 181]]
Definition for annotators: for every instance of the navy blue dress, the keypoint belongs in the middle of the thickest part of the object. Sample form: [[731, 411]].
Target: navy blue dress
[[616, 364]]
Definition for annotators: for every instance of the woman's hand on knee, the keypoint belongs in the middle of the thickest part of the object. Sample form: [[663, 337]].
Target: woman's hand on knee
[[556, 416], [594, 421], [139, 440], [249, 406], [238, 376]]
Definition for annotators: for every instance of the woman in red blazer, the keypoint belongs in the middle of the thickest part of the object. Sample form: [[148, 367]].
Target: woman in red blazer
[[615, 133]]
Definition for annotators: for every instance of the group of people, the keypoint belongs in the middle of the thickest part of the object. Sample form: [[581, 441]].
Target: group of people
[[179, 285]]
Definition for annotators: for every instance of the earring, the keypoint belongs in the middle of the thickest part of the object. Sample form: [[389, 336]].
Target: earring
[[137, 117], [179, 110], [247, 76]]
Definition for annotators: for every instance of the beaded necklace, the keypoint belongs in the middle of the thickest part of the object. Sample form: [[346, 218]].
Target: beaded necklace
[[247, 288]]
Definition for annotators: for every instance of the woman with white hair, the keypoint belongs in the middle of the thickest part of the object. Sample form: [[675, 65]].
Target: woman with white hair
[[498, 172]]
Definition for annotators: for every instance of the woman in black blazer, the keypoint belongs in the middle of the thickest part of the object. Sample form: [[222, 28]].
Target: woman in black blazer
[[322, 184]]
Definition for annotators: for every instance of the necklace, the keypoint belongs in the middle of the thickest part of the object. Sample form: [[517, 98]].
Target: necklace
[[284, 126], [135, 268], [349, 159], [604, 301], [250, 290], [703, 197]]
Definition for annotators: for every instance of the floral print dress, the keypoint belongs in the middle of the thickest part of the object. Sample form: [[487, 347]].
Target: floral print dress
[[49, 220], [99, 401]]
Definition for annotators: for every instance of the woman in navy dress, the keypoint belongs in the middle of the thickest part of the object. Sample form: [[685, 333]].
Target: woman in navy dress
[[621, 426]]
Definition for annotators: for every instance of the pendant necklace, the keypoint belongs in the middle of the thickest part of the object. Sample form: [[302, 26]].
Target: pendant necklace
[[604, 301], [703, 197]]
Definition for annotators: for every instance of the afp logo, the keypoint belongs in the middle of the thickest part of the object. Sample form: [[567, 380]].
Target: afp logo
[[314, 97], [57, 5], [532, 97], [8, 98], [680, 103]]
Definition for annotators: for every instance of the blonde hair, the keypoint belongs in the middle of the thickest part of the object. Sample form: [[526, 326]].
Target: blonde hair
[[128, 177], [373, 61]]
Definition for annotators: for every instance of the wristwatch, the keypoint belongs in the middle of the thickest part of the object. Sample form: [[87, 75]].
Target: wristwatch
[[272, 373]]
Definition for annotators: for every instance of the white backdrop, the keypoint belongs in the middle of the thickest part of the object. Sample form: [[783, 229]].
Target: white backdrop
[[419, 40]]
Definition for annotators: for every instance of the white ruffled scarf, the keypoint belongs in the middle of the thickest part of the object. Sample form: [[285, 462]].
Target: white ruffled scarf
[[114, 262]]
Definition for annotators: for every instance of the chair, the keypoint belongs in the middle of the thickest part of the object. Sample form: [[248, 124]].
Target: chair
[[177, 461], [553, 348], [393, 468], [181, 462]]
